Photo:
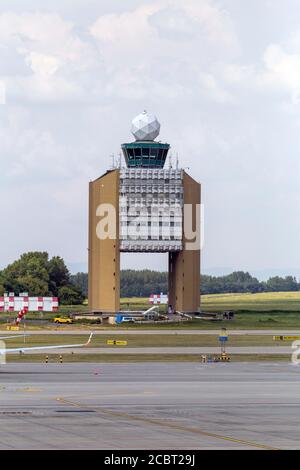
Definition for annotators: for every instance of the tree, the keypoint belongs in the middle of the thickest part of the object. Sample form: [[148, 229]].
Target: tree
[[59, 275], [34, 273], [33, 285], [146, 282], [19, 275], [237, 281], [2, 288], [143, 283], [280, 284], [70, 295], [80, 280]]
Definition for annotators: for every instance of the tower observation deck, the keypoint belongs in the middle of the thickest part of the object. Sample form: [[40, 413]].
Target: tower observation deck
[[145, 152]]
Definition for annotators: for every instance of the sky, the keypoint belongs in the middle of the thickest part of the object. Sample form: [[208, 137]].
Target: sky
[[223, 78]]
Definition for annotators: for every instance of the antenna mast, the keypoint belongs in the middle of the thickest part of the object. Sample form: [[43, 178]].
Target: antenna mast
[[112, 161]]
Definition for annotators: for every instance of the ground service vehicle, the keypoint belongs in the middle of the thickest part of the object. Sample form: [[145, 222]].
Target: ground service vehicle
[[62, 320]]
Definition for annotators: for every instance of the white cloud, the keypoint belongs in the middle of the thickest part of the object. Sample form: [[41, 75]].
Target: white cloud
[[162, 47], [210, 18], [55, 59], [138, 51], [131, 27], [282, 70], [276, 73], [170, 19], [73, 86], [212, 89], [40, 32], [43, 64]]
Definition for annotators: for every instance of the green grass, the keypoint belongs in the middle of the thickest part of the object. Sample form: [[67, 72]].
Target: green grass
[[276, 310], [135, 341], [243, 320], [266, 301], [63, 311], [275, 320], [131, 358], [271, 310], [143, 341]]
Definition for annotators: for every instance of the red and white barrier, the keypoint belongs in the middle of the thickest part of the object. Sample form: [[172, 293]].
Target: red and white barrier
[[11, 307], [158, 299], [32, 304]]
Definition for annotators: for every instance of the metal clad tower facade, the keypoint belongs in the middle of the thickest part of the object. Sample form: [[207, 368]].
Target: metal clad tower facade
[[149, 207]]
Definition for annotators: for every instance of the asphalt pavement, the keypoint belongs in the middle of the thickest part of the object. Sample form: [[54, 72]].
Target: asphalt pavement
[[150, 406]]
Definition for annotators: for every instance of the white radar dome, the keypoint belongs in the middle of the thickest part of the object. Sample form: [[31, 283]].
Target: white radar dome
[[145, 126]]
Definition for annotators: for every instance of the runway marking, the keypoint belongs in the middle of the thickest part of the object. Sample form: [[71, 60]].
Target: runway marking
[[167, 424], [29, 390]]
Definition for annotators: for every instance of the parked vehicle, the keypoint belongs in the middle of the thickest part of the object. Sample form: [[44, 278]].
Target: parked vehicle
[[62, 320]]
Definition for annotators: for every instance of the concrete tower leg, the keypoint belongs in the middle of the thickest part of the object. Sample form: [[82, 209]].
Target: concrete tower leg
[[184, 281], [184, 266], [104, 254]]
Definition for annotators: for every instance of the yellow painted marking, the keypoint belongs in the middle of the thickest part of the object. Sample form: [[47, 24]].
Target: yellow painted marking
[[29, 390], [167, 424], [285, 338], [113, 342]]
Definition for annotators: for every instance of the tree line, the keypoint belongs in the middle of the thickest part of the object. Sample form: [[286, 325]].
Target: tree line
[[39, 275], [145, 282], [243, 282]]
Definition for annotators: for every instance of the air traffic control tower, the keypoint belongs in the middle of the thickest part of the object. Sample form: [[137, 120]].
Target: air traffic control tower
[[146, 207]]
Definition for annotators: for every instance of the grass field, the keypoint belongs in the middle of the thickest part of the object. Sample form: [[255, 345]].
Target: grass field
[[133, 341], [270, 310], [243, 320], [146, 340], [266, 301], [117, 358], [263, 302], [275, 310]]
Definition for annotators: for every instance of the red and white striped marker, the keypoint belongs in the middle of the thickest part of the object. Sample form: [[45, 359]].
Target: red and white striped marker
[[20, 316]]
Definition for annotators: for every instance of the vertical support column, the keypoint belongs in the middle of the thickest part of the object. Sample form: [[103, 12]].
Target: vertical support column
[[104, 254], [184, 266], [172, 279]]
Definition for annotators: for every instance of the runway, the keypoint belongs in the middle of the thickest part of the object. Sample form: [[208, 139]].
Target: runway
[[150, 406]]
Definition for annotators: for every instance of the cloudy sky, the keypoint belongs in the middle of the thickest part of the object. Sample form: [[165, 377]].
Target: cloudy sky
[[222, 76]]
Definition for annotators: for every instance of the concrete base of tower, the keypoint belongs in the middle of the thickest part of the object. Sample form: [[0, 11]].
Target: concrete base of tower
[[184, 281]]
